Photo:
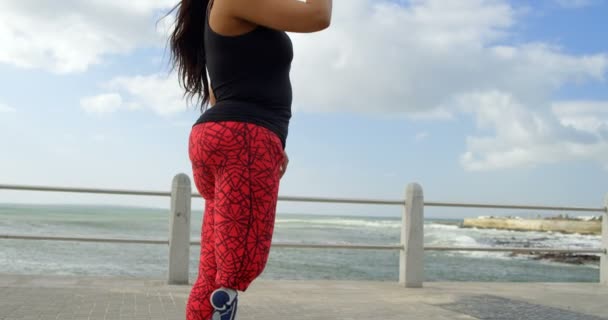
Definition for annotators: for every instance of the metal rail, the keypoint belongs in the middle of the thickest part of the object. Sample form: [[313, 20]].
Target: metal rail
[[307, 199], [518, 250], [85, 190], [316, 246], [342, 200], [516, 207], [80, 239], [411, 249]]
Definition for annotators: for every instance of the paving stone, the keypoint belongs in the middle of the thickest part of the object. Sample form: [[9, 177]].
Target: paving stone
[[89, 298], [488, 307]]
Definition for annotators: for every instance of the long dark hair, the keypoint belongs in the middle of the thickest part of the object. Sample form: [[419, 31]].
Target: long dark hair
[[188, 49]]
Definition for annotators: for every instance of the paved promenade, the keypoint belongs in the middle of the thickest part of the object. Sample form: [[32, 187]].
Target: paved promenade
[[96, 298]]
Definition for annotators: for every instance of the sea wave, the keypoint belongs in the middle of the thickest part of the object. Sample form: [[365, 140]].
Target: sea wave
[[342, 222], [440, 226], [454, 236]]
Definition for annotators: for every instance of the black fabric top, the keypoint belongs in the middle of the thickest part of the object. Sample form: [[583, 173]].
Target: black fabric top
[[250, 78]]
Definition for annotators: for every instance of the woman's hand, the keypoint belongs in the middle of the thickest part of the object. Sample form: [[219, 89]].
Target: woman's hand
[[284, 164]]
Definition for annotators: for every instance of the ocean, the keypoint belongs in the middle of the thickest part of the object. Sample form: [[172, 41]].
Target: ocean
[[151, 261]]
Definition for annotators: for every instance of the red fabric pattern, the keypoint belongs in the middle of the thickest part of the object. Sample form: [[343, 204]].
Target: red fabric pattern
[[236, 167]]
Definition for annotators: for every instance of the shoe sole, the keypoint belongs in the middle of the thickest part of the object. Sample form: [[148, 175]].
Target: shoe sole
[[233, 306]]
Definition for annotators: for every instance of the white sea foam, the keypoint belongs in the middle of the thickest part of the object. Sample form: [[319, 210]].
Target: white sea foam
[[442, 235], [439, 226], [343, 222], [438, 235]]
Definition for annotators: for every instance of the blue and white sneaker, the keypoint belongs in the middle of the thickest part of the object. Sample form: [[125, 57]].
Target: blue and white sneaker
[[224, 301]]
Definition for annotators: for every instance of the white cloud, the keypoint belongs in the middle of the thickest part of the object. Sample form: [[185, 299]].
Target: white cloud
[[586, 116], [421, 136], [433, 59], [370, 61], [429, 60], [69, 36], [159, 93], [6, 109], [103, 103], [415, 58], [519, 136], [412, 59]]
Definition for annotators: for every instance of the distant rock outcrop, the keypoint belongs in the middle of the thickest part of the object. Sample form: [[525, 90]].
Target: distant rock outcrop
[[570, 258], [557, 224]]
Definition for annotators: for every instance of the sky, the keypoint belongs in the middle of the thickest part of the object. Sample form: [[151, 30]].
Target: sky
[[488, 101]]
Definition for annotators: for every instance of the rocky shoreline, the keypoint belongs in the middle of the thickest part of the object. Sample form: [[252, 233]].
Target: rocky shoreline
[[569, 258], [591, 227]]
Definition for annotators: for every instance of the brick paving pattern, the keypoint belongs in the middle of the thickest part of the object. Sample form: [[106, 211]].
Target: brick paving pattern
[[488, 307], [95, 298]]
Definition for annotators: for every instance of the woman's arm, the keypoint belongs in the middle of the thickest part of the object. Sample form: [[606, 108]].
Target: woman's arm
[[286, 15], [284, 164], [211, 96]]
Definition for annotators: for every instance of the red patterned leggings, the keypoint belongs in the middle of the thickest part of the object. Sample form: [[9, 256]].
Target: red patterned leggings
[[236, 168]]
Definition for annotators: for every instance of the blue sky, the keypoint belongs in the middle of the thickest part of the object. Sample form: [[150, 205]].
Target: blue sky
[[478, 101]]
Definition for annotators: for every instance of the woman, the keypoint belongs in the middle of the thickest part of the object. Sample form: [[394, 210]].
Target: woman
[[237, 146]]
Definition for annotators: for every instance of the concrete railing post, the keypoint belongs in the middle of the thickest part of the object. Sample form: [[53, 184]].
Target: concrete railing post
[[179, 230], [604, 256], [411, 262]]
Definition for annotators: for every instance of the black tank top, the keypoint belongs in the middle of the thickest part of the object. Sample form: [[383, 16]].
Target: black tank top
[[250, 78]]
